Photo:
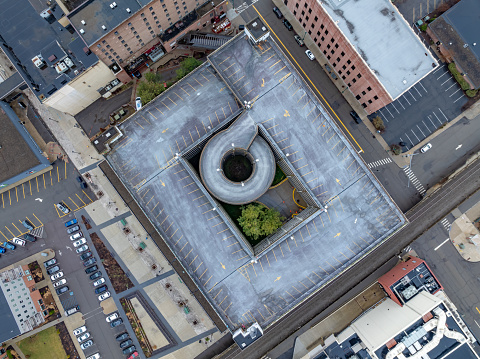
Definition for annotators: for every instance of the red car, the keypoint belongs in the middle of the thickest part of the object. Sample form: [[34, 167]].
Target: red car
[[134, 355]]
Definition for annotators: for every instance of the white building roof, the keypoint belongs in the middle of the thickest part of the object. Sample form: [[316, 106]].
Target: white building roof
[[382, 323], [384, 40]]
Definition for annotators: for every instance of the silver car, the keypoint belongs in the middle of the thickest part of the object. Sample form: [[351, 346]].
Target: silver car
[[86, 344], [83, 337]]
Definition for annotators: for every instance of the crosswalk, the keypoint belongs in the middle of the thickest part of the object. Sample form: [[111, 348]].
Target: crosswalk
[[414, 180], [446, 224], [407, 249], [380, 162]]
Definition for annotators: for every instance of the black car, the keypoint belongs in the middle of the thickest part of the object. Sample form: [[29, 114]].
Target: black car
[[62, 290], [52, 270], [122, 336], [28, 225], [287, 25], [50, 262], [116, 323], [73, 229], [89, 261], [128, 350], [101, 289], [277, 12], [126, 343], [29, 237], [96, 275], [355, 117], [91, 269], [86, 255]]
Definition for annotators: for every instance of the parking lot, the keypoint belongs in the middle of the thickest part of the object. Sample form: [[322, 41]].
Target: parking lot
[[412, 10], [420, 111]]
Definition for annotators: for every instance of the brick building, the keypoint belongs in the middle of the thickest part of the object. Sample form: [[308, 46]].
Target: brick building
[[368, 44], [126, 32]]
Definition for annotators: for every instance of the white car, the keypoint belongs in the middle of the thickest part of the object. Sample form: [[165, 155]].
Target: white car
[[19, 241], [80, 330], [426, 148], [111, 317], [86, 344], [83, 337], [94, 356], [59, 283], [55, 276], [79, 242], [309, 55], [104, 296], [76, 236], [138, 103], [98, 282], [62, 208], [81, 249]]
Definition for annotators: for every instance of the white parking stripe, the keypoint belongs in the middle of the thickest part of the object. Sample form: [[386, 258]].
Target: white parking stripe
[[404, 141], [409, 139], [386, 108], [450, 87], [421, 131], [427, 126], [384, 117], [454, 92], [463, 95], [416, 136], [412, 95], [398, 101], [431, 122], [443, 83], [423, 87], [406, 100], [437, 118], [417, 91], [395, 107], [438, 68], [442, 113], [438, 78]]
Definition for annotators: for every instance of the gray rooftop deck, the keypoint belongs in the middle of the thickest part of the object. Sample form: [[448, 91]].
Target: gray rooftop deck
[[360, 214]]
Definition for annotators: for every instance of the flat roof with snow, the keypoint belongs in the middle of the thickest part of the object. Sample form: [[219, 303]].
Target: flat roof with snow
[[384, 40]]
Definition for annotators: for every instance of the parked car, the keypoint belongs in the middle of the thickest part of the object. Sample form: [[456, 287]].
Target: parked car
[[355, 117], [287, 24], [52, 270], [59, 283], [71, 222], [28, 225], [85, 255], [299, 40], [138, 103], [83, 337], [9, 245], [62, 290], [98, 282], [94, 356], [128, 350], [50, 262], [86, 344], [95, 275], [111, 317], [133, 356], [277, 12], [126, 343], [62, 207], [56, 276], [89, 261], [81, 249], [116, 323], [122, 336], [76, 236], [423, 149], [79, 242], [72, 310], [101, 289], [19, 241], [73, 229], [29, 237], [91, 269], [80, 330], [104, 296], [309, 55], [2, 250]]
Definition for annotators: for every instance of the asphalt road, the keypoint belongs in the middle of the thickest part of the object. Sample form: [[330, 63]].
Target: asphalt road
[[422, 217]]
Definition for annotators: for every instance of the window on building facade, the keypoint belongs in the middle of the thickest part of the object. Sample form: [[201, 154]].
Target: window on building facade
[[309, 11], [354, 80], [309, 32], [151, 32], [359, 76], [343, 77], [349, 62], [332, 52], [328, 46], [364, 105], [294, 12], [306, 18], [303, 12], [338, 59], [332, 40], [312, 26], [348, 72], [342, 54], [328, 57], [315, 39], [336, 46], [324, 52], [326, 32], [155, 18], [125, 45], [116, 33], [364, 93], [150, 8], [358, 97], [344, 67], [353, 66], [296, 5], [149, 28], [322, 26], [375, 97], [99, 46], [369, 88], [147, 24], [323, 38], [129, 24], [142, 14], [369, 101]]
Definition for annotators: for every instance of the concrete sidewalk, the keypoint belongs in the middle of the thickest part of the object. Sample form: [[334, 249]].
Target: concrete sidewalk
[[465, 235]]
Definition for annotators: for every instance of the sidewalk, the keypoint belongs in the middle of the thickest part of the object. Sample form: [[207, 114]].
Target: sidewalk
[[465, 236]]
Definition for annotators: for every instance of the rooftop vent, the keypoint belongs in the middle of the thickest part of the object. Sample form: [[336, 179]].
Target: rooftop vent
[[113, 5], [264, 28], [82, 31], [128, 10], [104, 27], [83, 22]]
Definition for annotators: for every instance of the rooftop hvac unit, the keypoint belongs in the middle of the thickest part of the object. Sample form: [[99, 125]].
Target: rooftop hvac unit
[[128, 10], [104, 27], [112, 6], [82, 31], [83, 22]]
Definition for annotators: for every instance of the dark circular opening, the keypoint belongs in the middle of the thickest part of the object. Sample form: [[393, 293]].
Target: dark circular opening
[[237, 168]]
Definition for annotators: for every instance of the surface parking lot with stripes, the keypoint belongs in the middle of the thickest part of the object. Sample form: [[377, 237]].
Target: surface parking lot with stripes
[[420, 111], [360, 214]]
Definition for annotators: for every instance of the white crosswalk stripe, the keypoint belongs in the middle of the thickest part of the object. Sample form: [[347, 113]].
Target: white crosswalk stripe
[[380, 162], [446, 224], [407, 249], [414, 180]]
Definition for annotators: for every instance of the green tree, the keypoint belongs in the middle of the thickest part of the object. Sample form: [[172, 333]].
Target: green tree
[[187, 66], [149, 90], [257, 221]]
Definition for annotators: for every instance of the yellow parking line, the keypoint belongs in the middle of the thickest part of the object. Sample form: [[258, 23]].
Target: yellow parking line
[[23, 188], [9, 231], [30, 184], [19, 231], [36, 180], [51, 180], [65, 170], [44, 185], [4, 235], [80, 199], [58, 175], [73, 202], [9, 198], [3, 203], [38, 220], [86, 195], [16, 193]]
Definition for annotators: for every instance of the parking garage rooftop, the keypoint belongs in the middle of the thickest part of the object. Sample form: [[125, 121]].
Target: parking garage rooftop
[[156, 161]]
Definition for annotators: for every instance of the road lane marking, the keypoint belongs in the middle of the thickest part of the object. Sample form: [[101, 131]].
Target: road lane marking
[[441, 244]]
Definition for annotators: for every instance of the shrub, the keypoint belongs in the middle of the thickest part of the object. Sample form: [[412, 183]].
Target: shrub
[[378, 123], [471, 93], [458, 76], [423, 27], [396, 149], [187, 66], [257, 220]]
